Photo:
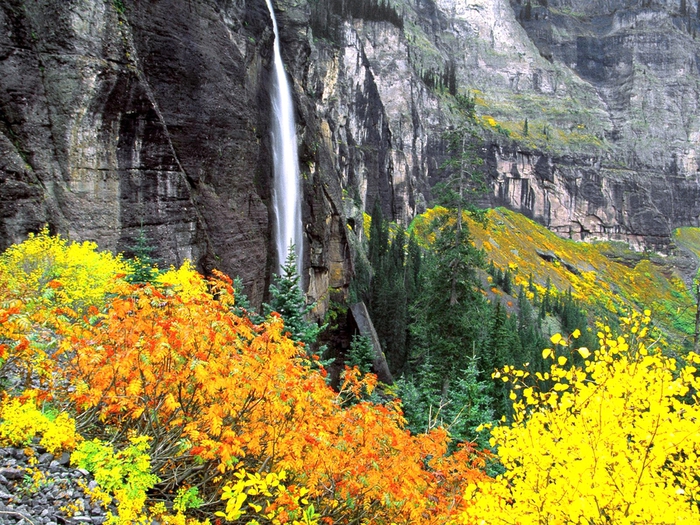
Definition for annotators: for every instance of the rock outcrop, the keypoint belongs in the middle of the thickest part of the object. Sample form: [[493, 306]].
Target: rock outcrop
[[117, 115]]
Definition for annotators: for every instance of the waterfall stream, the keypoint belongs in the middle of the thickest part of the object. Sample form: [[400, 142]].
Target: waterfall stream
[[286, 197]]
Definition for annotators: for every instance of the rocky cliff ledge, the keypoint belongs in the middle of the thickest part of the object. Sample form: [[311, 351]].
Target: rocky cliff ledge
[[117, 115], [588, 108]]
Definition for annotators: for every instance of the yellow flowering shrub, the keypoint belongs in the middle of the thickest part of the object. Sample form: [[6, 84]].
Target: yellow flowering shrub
[[52, 268], [185, 281], [22, 421], [267, 499], [614, 440]]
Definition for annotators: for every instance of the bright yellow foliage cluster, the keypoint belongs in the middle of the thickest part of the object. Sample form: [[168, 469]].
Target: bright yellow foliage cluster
[[50, 267], [614, 440], [185, 281], [264, 496], [22, 421]]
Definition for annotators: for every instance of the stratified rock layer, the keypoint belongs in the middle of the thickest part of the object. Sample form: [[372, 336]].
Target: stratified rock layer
[[117, 115]]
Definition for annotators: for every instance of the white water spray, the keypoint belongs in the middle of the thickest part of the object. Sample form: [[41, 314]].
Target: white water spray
[[286, 189]]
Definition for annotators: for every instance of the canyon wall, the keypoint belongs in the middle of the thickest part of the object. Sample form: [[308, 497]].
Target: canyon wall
[[122, 115]]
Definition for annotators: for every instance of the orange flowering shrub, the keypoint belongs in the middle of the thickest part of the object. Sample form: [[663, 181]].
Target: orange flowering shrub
[[219, 396], [231, 413]]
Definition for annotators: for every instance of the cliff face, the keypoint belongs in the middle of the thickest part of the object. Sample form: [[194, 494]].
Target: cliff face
[[588, 109], [641, 58], [117, 116], [122, 114]]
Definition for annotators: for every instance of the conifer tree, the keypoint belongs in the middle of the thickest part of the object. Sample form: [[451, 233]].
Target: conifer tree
[[143, 263], [289, 300], [450, 309], [388, 298], [460, 410]]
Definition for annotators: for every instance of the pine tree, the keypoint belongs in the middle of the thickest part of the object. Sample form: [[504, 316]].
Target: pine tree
[[460, 410], [388, 298], [143, 263], [378, 237], [464, 181], [242, 306], [450, 309], [289, 300], [507, 282]]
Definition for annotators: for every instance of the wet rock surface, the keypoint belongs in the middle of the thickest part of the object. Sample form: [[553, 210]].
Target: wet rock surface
[[122, 115]]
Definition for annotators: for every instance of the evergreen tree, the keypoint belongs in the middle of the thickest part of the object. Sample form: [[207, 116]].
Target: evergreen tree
[[460, 410], [450, 309], [412, 269], [464, 182], [388, 296], [497, 352], [528, 329], [144, 265], [361, 353], [507, 285], [289, 300], [242, 307], [503, 347], [378, 237]]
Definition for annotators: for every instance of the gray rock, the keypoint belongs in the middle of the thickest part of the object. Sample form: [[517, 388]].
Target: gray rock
[[45, 459], [64, 459], [11, 473]]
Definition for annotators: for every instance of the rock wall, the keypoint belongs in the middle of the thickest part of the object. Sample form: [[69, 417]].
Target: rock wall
[[121, 115], [117, 115], [609, 88], [582, 200]]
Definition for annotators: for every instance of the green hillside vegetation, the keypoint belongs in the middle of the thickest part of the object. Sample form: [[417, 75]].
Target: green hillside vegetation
[[535, 256], [688, 238], [189, 409]]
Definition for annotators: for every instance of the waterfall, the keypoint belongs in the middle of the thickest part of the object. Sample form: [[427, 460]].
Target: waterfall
[[286, 198]]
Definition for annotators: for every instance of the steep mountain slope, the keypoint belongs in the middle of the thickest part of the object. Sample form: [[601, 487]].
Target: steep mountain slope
[[120, 114], [608, 277], [566, 141]]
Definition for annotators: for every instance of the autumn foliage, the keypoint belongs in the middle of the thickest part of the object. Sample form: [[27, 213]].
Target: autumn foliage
[[614, 438], [187, 413], [219, 401]]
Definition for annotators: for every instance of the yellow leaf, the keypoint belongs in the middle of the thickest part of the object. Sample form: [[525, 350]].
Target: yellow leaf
[[585, 352], [561, 360], [576, 334], [555, 338], [547, 352]]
